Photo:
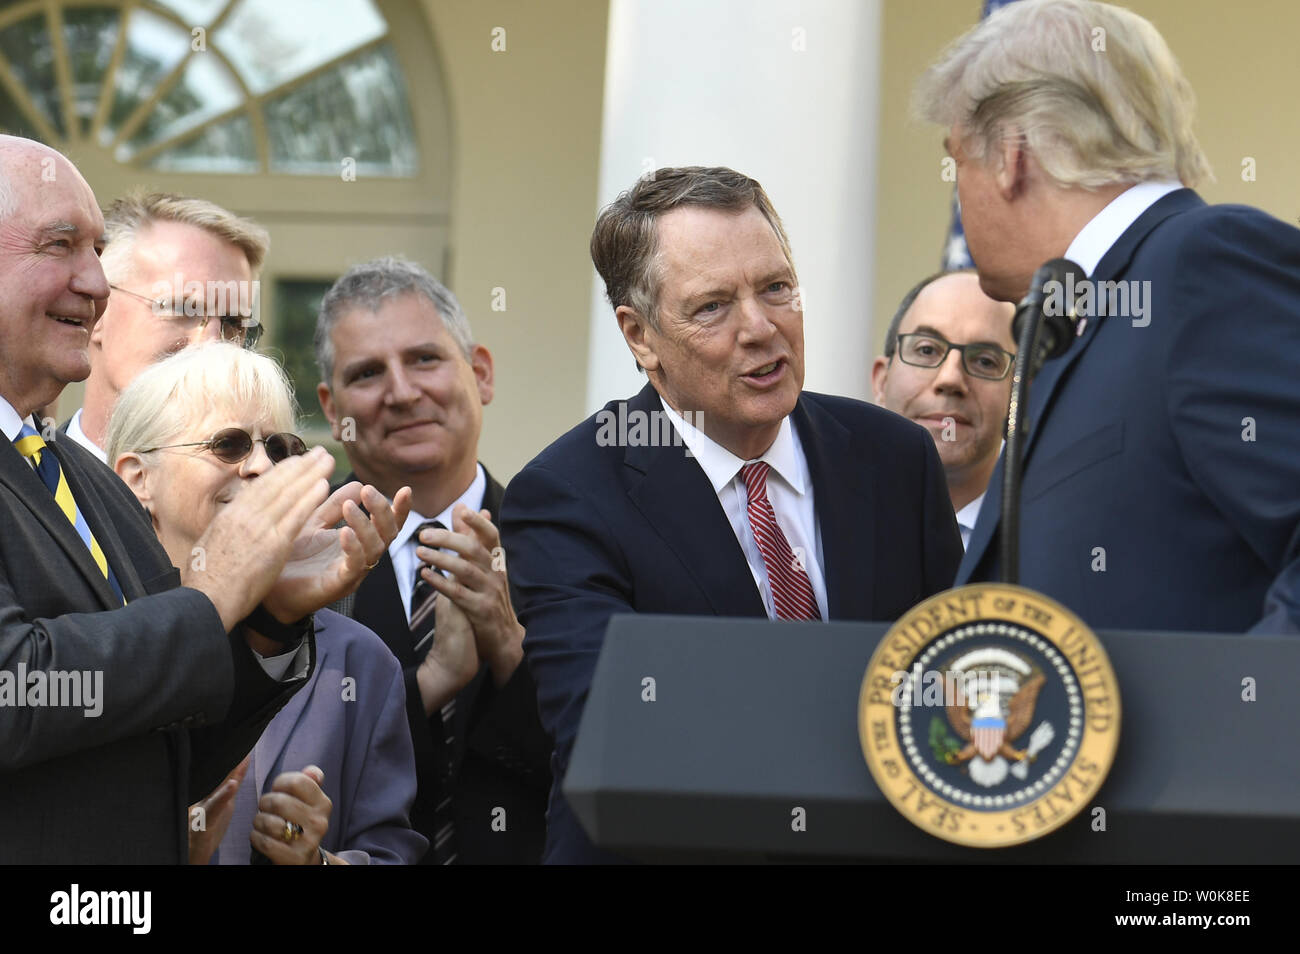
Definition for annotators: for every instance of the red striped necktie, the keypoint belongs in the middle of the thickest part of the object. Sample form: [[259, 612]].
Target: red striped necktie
[[792, 592]]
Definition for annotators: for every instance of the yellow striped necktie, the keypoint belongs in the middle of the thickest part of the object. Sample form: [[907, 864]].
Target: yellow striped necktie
[[30, 445]]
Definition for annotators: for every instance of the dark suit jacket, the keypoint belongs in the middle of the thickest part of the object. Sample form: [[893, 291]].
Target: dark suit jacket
[[500, 754], [182, 700], [591, 531], [1170, 451], [350, 719]]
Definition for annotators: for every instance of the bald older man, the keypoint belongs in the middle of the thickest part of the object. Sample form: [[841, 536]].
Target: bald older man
[[127, 687]]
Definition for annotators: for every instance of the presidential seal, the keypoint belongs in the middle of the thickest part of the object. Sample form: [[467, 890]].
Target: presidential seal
[[989, 715]]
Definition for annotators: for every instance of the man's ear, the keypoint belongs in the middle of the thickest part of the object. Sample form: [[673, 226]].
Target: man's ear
[[98, 331], [637, 336], [481, 362], [135, 474], [326, 398], [879, 372], [1010, 175]]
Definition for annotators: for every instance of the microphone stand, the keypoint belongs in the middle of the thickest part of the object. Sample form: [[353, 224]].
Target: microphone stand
[[1040, 339], [1017, 424]]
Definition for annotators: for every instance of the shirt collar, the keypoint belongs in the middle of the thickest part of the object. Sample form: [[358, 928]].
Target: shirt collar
[[472, 498], [77, 434], [968, 514], [10, 422], [721, 465], [1095, 239]]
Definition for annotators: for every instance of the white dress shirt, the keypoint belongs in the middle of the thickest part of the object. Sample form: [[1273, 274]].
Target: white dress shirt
[[402, 549], [77, 434], [966, 518], [276, 667], [1095, 239], [789, 489]]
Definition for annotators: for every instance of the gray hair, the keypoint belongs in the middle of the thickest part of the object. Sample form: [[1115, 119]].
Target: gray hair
[[625, 241], [166, 398], [368, 286], [1091, 90]]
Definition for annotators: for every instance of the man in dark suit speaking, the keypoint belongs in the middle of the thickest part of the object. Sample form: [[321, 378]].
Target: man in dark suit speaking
[[722, 488], [90, 602], [1162, 473]]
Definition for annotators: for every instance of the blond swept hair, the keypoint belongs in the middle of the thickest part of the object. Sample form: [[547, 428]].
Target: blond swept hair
[[1090, 89], [134, 212], [169, 398]]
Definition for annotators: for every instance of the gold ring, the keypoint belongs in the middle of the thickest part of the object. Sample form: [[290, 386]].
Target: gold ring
[[292, 832], [371, 566]]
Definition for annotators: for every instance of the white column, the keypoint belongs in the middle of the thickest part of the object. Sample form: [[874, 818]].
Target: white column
[[783, 91]]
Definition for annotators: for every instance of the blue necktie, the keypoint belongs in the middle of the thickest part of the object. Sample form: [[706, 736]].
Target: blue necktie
[[31, 446]]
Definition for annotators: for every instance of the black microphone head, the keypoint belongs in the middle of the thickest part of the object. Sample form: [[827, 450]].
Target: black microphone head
[[1054, 291]]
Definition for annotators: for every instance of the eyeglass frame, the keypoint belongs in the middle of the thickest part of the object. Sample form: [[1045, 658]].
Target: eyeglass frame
[[949, 346], [252, 441], [248, 333]]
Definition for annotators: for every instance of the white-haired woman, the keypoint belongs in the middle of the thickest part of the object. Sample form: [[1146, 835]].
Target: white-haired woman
[[332, 778]]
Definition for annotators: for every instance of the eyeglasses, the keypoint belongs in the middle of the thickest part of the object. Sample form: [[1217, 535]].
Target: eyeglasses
[[986, 361], [234, 328], [234, 444]]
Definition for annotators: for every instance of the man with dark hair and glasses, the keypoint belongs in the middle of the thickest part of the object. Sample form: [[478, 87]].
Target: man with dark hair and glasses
[[181, 271], [947, 366]]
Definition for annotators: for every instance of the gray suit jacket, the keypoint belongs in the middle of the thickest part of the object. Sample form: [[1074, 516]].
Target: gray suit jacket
[[181, 700]]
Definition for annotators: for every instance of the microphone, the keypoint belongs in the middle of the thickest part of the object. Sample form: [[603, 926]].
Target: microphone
[[1044, 328], [1053, 293]]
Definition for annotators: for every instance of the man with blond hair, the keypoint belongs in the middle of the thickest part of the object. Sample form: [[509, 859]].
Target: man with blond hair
[[182, 270], [1161, 477]]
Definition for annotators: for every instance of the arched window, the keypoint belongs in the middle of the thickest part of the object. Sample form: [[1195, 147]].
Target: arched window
[[297, 113]]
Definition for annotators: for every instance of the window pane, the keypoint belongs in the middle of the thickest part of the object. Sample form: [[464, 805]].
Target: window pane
[[359, 109], [194, 12], [90, 34], [153, 48], [13, 120], [226, 146], [26, 45], [296, 305], [205, 89], [272, 41]]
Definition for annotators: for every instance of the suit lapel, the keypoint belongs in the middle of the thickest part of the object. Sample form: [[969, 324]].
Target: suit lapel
[[845, 516], [492, 496], [275, 738], [379, 606], [18, 475], [677, 500], [1044, 389]]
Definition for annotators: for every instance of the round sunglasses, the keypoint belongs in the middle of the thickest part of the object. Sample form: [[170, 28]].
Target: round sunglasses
[[234, 444]]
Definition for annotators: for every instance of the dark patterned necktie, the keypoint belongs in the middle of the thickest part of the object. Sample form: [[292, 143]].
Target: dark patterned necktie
[[792, 592], [423, 618]]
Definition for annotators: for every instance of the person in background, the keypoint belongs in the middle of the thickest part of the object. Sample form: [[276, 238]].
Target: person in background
[[182, 271], [947, 366], [332, 777]]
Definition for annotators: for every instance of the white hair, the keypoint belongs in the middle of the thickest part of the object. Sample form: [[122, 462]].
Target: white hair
[[168, 398], [1091, 90]]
